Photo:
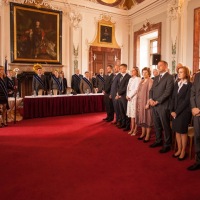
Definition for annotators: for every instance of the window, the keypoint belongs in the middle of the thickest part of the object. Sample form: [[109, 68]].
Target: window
[[153, 50]]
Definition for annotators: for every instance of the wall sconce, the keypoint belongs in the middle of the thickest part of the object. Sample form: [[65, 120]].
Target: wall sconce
[[116, 58], [94, 56]]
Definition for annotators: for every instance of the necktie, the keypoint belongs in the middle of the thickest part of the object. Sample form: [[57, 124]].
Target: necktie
[[160, 78]]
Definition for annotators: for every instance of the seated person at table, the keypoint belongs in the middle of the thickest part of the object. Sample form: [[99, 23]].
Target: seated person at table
[[64, 82], [10, 83], [56, 83], [39, 80], [86, 85], [3, 97]]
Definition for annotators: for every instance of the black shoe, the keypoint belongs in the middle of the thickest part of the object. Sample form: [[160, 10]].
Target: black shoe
[[156, 144], [122, 126], [165, 149], [184, 157], [126, 129], [141, 138], [175, 156], [145, 141], [109, 120], [105, 119], [194, 167]]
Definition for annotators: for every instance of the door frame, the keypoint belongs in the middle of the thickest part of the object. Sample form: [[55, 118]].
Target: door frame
[[102, 49]]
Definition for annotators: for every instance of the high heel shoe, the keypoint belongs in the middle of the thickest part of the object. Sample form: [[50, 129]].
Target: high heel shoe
[[145, 141], [183, 158], [134, 134], [141, 138], [176, 156], [2, 124]]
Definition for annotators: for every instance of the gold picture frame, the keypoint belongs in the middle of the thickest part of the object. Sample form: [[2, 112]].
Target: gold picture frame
[[105, 33], [36, 35]]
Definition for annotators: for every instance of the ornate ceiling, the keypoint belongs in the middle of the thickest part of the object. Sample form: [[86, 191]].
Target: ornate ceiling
[[122, 4]]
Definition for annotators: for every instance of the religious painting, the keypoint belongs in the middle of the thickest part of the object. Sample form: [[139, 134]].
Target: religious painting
[[35, 35], [105, 33]]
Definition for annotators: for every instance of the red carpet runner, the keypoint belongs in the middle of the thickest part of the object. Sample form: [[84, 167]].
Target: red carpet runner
[[80, 157]]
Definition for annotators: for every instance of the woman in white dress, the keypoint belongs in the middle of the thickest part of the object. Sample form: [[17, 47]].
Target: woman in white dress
[[131, 96]]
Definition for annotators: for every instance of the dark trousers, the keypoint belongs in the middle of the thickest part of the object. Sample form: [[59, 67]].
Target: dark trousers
[[125, 121], [109, 106], [116, 108], [197, 138], [161, 119]]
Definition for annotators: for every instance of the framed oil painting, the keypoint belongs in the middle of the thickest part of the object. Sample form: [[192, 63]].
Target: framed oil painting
[[36, 35], [105, 33]]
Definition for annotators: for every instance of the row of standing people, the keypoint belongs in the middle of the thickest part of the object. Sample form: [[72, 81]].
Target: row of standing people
[[147, 103]]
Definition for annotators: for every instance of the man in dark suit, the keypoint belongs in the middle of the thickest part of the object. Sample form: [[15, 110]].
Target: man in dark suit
[[100, 81], [75, 83], [107, 100], [39, 81], [121, 97], [113, 93], [195, 104], [160, 95]]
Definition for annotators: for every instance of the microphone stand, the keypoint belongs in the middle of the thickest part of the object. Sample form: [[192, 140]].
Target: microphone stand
[[15, 96]]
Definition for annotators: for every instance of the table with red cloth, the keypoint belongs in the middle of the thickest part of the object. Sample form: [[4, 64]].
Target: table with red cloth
[[47, 106]]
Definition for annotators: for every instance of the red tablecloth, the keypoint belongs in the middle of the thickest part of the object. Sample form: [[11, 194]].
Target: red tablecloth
[[35, 107]]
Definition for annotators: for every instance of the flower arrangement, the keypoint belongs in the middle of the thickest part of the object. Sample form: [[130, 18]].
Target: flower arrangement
[[37, 66], [16, 70]]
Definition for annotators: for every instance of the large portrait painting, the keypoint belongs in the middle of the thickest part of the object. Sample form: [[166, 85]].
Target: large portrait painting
[[35, 35], [105, 34]]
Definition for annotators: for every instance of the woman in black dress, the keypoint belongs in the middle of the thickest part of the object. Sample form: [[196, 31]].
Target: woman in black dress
[[3, 97], [180, 110]]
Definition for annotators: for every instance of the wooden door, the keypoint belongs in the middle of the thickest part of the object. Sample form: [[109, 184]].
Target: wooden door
[[99, 61], [101, 57], [196, 45]]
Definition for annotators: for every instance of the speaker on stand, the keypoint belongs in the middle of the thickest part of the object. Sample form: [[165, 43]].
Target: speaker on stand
[[155, 59]]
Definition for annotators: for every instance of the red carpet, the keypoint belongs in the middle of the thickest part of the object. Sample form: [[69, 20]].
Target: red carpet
[[80, 157]]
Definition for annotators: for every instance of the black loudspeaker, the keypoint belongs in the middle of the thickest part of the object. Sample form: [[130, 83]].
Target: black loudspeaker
[[155, 59]]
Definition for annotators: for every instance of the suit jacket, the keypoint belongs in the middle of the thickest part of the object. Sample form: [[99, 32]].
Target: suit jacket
[[99, 83], [181, 100], [64, 86], [75, 83], [162, 89], [54, 85], [114, 85], [108, 82], [36, 85], [195, 92], [10, 83], [122, 85], [84, 86]]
